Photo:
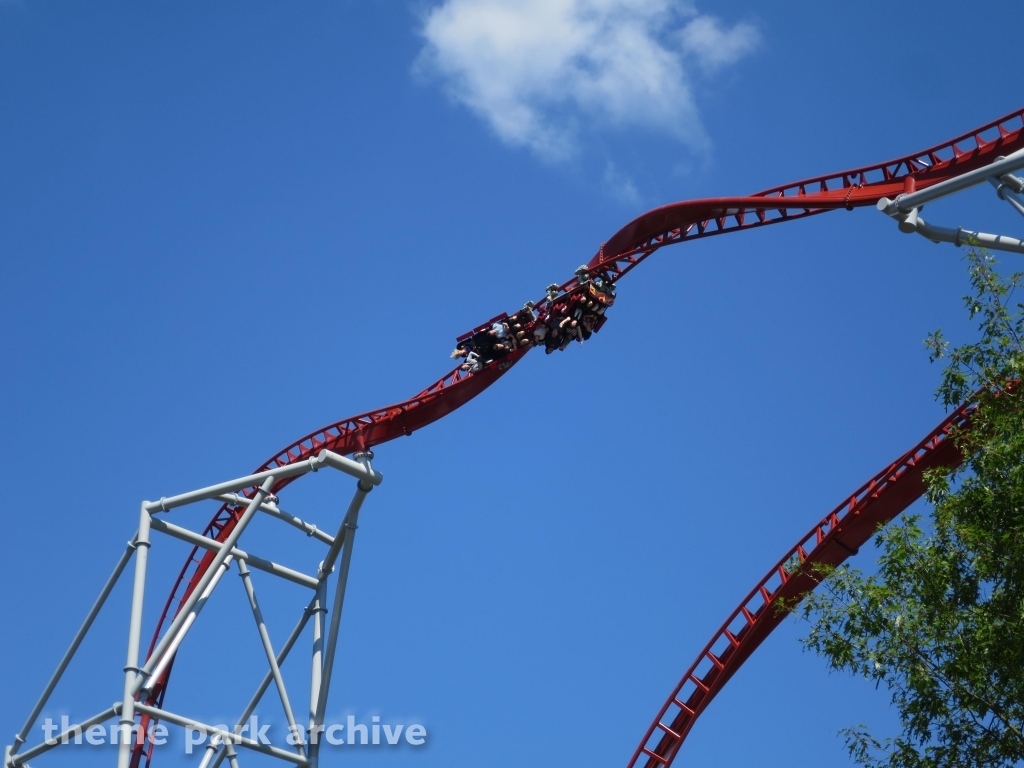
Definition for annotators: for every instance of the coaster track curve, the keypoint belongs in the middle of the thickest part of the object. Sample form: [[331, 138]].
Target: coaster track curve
[[621, 253]]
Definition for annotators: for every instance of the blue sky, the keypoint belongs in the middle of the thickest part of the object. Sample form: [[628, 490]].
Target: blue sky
[[223, 227]]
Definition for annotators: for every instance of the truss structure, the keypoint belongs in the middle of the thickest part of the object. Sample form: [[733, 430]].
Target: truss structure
[[906, 208], [145, 679], [900, 188]]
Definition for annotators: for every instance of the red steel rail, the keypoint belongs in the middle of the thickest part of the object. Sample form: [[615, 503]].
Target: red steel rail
[[857, 188], [838, 536], [668, 225], [356, 433]]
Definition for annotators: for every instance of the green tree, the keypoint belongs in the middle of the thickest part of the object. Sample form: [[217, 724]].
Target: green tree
[[940, 625]]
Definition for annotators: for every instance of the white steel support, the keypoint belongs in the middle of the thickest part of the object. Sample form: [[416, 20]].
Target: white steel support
[[268, 678], [229, 750], [346, 536], [64, 737], [999, 168], [906, 209], [319, 612], [253, 744], [268, 648], [69, 654], [1009, 191], [131, 666], [190, 610], [961, 236], [211, 749], [215, 546], [141, 676], [171, 648], [215, 747], [274, 511], [327, 566]]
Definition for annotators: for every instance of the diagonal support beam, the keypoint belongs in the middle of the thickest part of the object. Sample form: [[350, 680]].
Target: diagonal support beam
[[327, 566], [904, 204], [140, 681], [323, 459], [1008, 192], [346, 534], [258, 563], [275, 511], [229, 750], [73, 648], [63, 738], [268, 648], [172, 647], [188, 612], [131, 666], [256, 746], [268, 678], [319, 611], [214, 747]]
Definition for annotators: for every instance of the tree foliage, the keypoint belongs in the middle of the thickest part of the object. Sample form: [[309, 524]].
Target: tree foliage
[[940, 625]]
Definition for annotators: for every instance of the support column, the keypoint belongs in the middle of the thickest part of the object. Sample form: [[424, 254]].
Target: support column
[[190, 610], [172, 647], [268, 678], [319, 611], [228, 750], [69, 654], [348, 535], [131, 667], [211, 749], [232, 755], [268, 648]]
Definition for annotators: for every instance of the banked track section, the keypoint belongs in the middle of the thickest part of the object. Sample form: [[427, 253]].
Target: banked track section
[[838, 536], [627, 248]]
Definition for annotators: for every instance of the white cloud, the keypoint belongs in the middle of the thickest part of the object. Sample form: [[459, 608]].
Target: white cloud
[[620, 185], [715, 47], [536, 70]]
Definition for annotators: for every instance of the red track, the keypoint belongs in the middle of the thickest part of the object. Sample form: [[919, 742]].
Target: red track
[[838, 536], [670, 224]]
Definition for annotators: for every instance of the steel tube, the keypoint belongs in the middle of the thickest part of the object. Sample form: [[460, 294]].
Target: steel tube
[[215, 546], [961, 236], [179, 637], [312, 464], [211, 750], [339, 539], [131, 666], [332, 636], [73, 648], [187, 722], [274, 511], [188, 608], [319, 610], [268, 648], [65, 737], [358, 470], [1013, 182], [1015, 202], [268, 678], [347, 533], [906, 203], [229, 750], [1007, 193], [212, 491]]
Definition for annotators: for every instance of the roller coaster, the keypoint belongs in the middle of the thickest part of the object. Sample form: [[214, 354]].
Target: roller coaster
[[899, 188]]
